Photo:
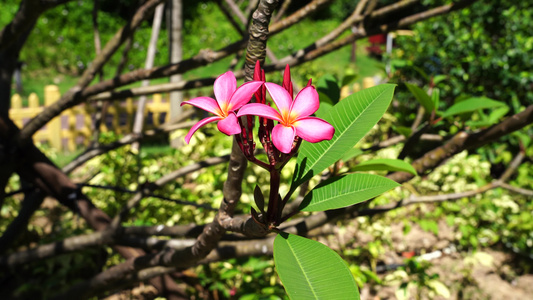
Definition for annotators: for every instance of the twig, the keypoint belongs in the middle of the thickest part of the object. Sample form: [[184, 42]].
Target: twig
[[150, 187], [126, 140], [124, 190], [297, 16]]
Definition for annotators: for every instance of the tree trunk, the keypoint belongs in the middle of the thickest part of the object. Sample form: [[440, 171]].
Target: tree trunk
[[150, 56], [175, 21]]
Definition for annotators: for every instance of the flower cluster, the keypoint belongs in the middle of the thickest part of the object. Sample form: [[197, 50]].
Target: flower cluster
[[293, 117]]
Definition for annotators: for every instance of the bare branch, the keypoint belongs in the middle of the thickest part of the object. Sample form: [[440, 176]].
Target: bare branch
[[518, 190], [323, 46], [126, 140], [298, 57], [256, 49], [430, 160], [463, 140], [33, 166], [297, 16], [70, 244], [96, 65], [32, 201]]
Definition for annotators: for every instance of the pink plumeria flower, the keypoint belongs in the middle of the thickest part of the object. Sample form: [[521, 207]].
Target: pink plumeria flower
[[229, 98], [293, 117]]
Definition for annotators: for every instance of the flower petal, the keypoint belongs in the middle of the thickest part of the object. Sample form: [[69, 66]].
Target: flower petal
[[205, 103], [306, 103], [281, 97], [229, 125], [243, 94], [314, 129], [198, 125], [261, 110], [224, 87], [283, 137]]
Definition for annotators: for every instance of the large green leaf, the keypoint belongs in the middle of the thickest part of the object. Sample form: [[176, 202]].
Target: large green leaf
[[421, 97], [351, 154], [385, 164], [471, 105], [311, 270], [352, 118], [323, 109], [346, 190]]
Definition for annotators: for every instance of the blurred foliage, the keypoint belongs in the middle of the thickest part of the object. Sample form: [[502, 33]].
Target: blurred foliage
[[251, 278], [484, 49]]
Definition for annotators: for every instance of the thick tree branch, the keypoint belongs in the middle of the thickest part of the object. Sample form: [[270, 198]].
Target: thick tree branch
[[33, 166]]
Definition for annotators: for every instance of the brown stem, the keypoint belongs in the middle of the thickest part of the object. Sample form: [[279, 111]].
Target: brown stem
[[273, 200]]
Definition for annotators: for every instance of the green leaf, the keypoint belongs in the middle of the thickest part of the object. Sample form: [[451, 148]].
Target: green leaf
[[421, 96], [323, 109], [351, 154], [403, 130], [259, 199], [438, 78], [496, 114], [327, 85], [310, 270], [344, 191], [478, 124], [352, 118], [371, 275], [471, 105], [349, 77], [385, 164], [435, 97]]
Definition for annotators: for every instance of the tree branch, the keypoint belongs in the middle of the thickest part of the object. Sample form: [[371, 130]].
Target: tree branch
[[429, 161], [96, 65]]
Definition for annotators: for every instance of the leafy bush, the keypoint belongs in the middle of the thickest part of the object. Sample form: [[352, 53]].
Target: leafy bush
[[484, 49]]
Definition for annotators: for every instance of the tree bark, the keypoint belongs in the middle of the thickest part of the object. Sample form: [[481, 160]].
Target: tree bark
[[176, 55], [150, 57]]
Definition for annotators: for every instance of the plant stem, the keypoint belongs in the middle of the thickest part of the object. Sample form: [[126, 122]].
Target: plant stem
[[273, 202]]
